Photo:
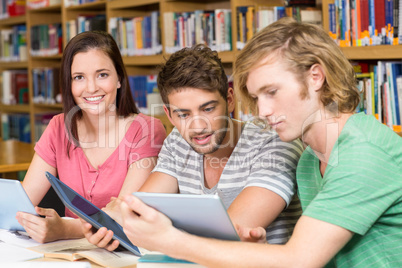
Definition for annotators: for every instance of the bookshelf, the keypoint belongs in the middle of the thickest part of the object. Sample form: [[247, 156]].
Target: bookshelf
[[140, 64]]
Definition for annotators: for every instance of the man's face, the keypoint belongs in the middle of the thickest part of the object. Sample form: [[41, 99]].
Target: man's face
[[276, 91], [201, 117]]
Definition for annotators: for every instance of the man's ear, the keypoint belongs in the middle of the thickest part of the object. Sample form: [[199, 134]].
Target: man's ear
[[230, 98], [316, 77], [167, 112]]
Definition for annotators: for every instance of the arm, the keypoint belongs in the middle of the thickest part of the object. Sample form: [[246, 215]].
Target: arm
[[48, 228], [313, 243], [256, 206]]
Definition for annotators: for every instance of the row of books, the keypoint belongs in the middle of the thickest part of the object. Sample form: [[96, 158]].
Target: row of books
[[365, 22], [41, 122], [46, 39], [85, 23], [251, 19], [137, 36], [68, 3], [10, 8], [16, 126], [46, 85], [381, 91], [212, 28], [146, 94], [14, 87], [13, 45]]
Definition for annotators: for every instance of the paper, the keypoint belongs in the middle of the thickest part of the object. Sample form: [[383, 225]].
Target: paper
[[11, 253], [20, 239]]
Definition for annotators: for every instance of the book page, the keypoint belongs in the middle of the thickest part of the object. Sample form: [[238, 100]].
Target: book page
[[74, 249]]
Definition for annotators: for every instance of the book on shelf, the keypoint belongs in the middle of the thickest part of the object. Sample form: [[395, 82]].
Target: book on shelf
[[365, 22], [381, 94], [35, 4], [46, 39], [16, 126], [209, 27], [41, 122], [46, 85], [15, 87], [13, 43], [77, 249], [137, 36], [145, 94]]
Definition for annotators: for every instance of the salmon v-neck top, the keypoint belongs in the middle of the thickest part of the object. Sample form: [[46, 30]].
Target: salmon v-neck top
[[144, 138]]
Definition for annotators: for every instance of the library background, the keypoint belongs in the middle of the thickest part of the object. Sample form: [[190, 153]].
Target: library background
[[33, 34]]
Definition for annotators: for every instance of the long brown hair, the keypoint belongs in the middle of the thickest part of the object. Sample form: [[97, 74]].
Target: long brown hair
[[84, 42]]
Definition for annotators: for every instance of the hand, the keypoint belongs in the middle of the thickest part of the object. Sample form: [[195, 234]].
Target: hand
[[257, 235], [44, 229], [102, 238], [113, 209], [145, 226]]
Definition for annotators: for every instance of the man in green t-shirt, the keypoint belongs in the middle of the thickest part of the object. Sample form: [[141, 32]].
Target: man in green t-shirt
[[349, 177]]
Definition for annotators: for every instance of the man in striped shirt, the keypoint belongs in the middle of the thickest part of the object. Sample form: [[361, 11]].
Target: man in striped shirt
[[349, 177], [208, 152]]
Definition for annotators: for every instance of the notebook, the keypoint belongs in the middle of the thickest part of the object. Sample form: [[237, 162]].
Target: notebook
[[13, 198]]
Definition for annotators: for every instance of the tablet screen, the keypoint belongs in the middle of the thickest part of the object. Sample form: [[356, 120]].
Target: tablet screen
[[89, 212]]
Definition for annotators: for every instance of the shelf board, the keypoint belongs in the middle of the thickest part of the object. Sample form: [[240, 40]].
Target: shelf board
[[18, 108], [52, 57], [53, 8], [13, 65], [373, 52], [124, 4], [143, 60], [45, 106], [96, 5], [14, 20]]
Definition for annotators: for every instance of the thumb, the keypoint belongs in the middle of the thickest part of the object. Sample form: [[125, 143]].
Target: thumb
[[47, 212]]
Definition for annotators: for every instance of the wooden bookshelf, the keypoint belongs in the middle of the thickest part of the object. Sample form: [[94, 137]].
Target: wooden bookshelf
[[147, 64]]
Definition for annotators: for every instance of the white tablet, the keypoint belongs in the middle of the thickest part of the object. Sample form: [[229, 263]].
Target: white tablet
[[13, 198], [203, 215]]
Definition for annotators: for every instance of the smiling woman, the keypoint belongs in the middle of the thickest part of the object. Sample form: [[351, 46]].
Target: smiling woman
[[100, 146]]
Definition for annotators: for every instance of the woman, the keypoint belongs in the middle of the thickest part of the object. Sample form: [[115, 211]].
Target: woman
[[100, 146]]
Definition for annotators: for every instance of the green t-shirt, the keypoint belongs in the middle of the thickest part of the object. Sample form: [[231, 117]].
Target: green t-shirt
[[361, 191]]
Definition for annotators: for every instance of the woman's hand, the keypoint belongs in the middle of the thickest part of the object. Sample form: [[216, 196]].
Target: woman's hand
[[43, 229], [102, 238]]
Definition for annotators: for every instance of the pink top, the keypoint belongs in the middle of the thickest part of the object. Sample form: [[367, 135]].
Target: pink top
[[144, 138]]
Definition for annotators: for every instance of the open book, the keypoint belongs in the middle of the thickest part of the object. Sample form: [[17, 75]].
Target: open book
[[76, 249]]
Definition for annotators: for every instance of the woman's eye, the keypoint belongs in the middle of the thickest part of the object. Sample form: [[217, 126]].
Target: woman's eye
[[103, 75], [78, 77]]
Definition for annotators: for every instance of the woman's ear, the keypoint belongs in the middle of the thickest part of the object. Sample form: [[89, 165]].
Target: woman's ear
[[118, 84], [316, 77]]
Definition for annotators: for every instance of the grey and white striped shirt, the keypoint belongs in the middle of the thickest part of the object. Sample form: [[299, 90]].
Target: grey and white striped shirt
[[259, 159]]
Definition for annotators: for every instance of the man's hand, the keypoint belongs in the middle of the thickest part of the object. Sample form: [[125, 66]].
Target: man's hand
[[257, 235]]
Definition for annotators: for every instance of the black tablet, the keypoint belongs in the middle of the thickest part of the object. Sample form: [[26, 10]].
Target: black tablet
[[90, 213]]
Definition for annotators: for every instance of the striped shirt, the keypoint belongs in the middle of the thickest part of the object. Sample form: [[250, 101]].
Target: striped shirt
[[259, 159], [361, 191]]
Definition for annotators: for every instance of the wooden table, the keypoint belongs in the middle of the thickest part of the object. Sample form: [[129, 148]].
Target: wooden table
[[15, 155]]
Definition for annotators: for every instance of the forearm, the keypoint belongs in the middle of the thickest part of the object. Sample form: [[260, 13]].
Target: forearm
[[71, 228], [218, 253]]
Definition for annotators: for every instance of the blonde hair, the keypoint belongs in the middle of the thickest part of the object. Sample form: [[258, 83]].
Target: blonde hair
[[300, 46]]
